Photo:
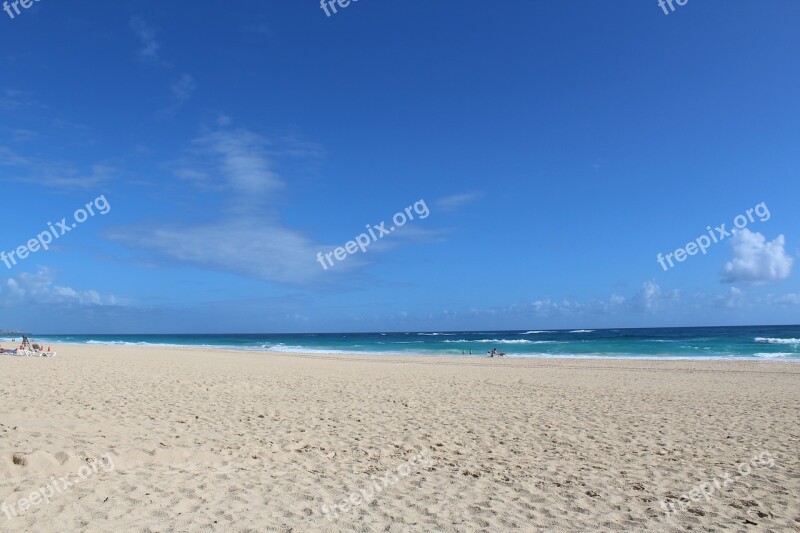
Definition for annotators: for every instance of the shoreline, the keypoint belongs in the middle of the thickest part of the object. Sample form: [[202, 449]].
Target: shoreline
[[417, 355]]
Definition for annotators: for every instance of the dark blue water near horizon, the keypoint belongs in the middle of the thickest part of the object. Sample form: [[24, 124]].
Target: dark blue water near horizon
[[750, 342]]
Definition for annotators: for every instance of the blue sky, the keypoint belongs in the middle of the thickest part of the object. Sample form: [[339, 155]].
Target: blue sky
[[559, 147]]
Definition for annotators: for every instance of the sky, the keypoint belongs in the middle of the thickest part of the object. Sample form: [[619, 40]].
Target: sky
[[548, 152]]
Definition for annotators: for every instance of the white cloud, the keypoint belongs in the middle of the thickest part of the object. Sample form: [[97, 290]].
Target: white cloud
[[243, 162], [248, 237], [59, 175], [12, 159], [245, 234], [732, 299], [67, 177], [23, 135], [248, 246], [757, 261], [194, 175], [792, 298], [183, 88], [231, 160], [147, 36], [455, 202], [40, 288], [11, 99], [64, 177], [650, 298]]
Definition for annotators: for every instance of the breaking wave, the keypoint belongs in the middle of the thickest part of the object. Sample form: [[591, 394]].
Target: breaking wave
[[771, 340], [502, 341]]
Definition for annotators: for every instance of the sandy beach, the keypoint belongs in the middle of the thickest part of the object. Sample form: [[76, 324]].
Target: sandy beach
[[119, 438]]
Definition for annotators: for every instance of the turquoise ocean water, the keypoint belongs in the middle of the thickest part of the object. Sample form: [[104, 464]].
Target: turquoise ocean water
[[751, 342]]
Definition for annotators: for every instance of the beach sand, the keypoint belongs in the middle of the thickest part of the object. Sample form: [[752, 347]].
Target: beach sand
[[201, 440]]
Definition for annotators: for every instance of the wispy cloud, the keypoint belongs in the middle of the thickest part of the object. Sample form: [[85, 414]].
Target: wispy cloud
[[247, 237], [68, 178], [598, 164], [149, 50], [11, 159], [40, 288], [785, 299], [243, 163], [456, 202], [256, 31], [23, 135], [649, 298], [54, 175], [252, 247], [757, 261], [183, 88], [61, 175], [11, 99]]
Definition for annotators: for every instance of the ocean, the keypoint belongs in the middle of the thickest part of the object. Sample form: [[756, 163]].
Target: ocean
[[742, 342]]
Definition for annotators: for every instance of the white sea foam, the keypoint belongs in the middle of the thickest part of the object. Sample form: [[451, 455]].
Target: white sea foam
[[502, 341], [581, 331], [126, 343], [154, 344], [772, 340], [775, 355], [300, 349], [535, 332]]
